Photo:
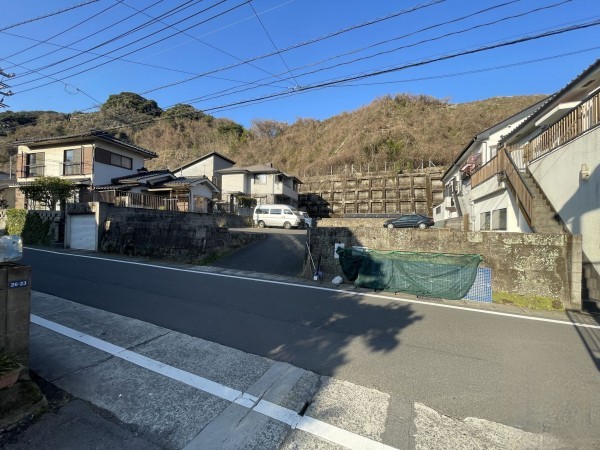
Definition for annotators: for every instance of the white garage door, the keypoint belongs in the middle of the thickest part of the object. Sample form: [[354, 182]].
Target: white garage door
[[83, 231]]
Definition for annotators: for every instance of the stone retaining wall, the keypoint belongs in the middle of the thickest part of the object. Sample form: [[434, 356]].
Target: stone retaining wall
[[184, 237], [545, 265]]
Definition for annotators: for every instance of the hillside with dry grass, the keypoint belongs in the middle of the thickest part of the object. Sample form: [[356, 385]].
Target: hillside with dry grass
[[402, 130]]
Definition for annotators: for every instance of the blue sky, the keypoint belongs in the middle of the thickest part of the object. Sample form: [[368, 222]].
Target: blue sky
[[242, 60]]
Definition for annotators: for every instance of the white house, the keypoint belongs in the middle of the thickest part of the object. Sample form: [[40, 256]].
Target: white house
[[560, 149], [208, 165], [486, 207], [263, 182]]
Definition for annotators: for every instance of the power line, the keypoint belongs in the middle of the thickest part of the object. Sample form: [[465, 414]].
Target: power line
[[231, 91], [289, 93], [67, 46], [172, 11], [45, 16], [273, 43], [301, 44], [453, 33], [111, 59], [411, 65], [59, 33], [210, 45]]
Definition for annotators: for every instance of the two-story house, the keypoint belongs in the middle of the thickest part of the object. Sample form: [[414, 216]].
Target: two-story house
[[207, 165], [265, 183], [490, 207], [550, 166], [87, 160]]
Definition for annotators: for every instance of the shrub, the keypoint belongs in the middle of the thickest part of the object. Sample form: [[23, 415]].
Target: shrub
[[15, 221], [36, 230]]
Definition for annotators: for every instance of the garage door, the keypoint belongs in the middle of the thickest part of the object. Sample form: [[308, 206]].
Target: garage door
[[83, 232]]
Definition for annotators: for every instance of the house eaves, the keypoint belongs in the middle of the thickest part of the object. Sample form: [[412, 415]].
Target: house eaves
[[465, 153], [90, 137], [202, 158], [293, 177], [232, 170], [576, 91], [185, 182], [144, 177]]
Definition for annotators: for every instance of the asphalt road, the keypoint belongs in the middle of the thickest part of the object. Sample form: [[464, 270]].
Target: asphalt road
[[536, 375], [281, 252]]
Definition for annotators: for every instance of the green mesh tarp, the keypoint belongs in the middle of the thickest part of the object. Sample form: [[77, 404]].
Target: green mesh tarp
[[427, 274]]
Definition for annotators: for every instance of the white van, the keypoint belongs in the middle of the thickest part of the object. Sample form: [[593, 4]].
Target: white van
[[284, 216]]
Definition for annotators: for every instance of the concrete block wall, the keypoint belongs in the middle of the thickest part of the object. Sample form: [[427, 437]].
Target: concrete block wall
[[184, 237], [524, 264]]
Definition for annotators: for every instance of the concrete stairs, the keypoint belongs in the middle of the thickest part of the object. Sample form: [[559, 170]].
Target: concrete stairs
[[545, 219]]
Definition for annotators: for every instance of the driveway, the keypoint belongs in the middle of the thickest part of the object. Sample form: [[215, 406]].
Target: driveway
[[280, 253]]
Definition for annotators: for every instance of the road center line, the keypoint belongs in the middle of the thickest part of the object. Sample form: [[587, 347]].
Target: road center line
[[339, 291], [308, 424]]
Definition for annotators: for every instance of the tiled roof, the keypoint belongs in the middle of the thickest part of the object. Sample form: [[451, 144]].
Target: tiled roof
[[140, 176]]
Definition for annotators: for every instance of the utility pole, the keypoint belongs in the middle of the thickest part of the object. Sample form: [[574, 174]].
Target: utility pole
[[5, 86]]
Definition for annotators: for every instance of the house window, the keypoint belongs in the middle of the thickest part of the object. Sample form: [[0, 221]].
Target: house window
[[114, 159], [260, 179], [35, 164], [72, 162], [485, 221], [493, 220], [499, 219]]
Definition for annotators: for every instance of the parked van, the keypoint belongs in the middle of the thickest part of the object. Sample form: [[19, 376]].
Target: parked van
[[284, 216]]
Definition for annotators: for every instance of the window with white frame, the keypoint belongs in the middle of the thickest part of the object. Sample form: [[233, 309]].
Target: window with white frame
[[260, 178]]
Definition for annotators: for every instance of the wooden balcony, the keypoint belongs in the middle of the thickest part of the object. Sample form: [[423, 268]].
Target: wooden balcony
[[583, 118], [503, 166]]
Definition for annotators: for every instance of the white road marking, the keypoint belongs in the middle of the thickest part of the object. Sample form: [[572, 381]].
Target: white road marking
[[339, 291], [316, 427]]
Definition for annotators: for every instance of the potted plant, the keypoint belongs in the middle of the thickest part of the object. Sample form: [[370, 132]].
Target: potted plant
[[10, 369]]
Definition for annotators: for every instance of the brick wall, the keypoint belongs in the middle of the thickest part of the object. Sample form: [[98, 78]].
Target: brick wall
[[184, 237], [526, 264]]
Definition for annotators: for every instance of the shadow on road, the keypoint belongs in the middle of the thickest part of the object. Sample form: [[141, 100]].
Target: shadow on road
[[589, 336]]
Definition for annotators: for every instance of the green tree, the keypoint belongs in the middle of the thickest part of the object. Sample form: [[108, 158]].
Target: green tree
[[182, 111], [49, 191], [131, 101]]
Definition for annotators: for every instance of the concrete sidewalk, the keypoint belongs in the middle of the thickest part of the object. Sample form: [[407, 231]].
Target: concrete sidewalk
[[136, 385]]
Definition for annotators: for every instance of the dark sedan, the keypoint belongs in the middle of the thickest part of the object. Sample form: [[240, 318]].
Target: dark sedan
[[410, 221]]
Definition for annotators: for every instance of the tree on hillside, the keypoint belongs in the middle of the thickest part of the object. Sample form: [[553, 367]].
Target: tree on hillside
[[49, 191], [268, 128], [131, 101], [182, 111]]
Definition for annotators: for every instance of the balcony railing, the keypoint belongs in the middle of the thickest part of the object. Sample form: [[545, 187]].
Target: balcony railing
[[504, 166], [135, 200], [578, 121]]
